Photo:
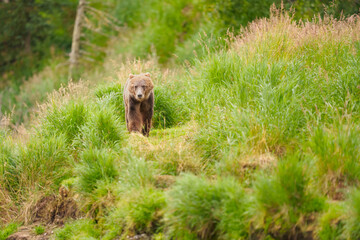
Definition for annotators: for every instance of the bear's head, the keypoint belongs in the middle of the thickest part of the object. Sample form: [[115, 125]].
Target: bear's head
[[140, 86]]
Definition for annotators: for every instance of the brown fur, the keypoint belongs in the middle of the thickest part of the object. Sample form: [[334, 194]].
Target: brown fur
[[139, 103]]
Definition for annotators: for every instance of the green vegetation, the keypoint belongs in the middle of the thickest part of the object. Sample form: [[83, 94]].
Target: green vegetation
[[255, 131], [8, 230], [80, 229], [39, 230]]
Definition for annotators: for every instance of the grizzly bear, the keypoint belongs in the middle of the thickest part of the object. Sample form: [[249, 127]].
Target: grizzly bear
[[139, 103]]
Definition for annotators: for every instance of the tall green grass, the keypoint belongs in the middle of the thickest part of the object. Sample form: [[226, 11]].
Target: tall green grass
[[42, 163], [138, 212], [95, 166], [336, 153], [264, 92], [198, 208], [67, 120], [352, 229], [284, 201], [283, 89]]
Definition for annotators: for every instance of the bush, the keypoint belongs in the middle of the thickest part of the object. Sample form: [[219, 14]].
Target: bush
[[96, 181], [192, 205], [234, 219], [44, 161]]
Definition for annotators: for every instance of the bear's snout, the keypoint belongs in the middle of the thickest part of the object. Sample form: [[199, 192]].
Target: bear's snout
[[139, 93]]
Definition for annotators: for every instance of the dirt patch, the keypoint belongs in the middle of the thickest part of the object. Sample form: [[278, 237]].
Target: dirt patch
[[164, 181], [337, 189], [262, 161], [55, 209], [28, 233]]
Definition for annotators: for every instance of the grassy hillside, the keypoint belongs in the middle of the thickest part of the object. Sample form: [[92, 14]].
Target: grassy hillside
[[258, 140]]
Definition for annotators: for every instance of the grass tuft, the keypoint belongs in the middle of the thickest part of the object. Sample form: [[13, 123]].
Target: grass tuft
[[96, 165], [284, 200]]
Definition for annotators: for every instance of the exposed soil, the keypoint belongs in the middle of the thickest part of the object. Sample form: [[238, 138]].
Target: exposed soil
[[28, 233], [51, 212], [55, 209], [164, 181]]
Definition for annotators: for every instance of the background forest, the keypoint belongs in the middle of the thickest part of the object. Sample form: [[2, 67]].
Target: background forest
[[255, 130]]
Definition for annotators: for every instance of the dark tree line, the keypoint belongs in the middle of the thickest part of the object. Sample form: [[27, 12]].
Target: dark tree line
[[239, 12], [32, 30], [29, 28]]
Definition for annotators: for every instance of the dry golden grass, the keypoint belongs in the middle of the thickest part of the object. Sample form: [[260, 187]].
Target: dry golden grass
[[272, 36], [8, 210]]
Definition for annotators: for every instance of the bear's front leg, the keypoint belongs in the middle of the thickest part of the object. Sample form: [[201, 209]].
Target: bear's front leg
[[147, 111], [126, 115], [135, 120], [146, 127]]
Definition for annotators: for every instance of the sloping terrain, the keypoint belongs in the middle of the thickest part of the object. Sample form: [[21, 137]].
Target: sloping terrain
[[259, 140]]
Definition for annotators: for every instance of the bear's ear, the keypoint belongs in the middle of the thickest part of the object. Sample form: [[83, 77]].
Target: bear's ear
[[131, 76], [147, 74]]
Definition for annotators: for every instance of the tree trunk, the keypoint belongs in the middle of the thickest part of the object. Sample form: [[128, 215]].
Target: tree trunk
[[28, 44], [75, 46]]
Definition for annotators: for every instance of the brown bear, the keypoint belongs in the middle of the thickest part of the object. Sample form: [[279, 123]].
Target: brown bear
[[139, 103]]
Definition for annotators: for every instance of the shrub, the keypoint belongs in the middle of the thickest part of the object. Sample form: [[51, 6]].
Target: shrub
[[234, 219], [192, 205], [165, 28]]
